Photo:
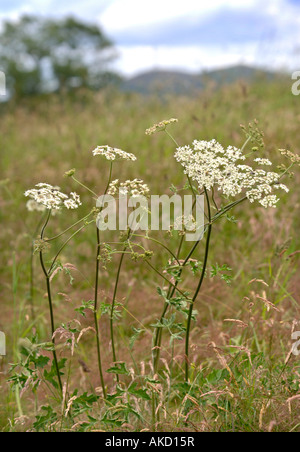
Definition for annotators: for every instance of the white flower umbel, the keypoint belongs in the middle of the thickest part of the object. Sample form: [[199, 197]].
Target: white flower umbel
[[134, 188], [210, 165], [263, 161], [48, 197], [113, 153], [161, 126]]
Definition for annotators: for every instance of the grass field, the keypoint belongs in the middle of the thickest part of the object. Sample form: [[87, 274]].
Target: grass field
[[243, 376]]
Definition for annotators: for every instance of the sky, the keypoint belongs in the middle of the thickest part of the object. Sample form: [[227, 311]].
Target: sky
[[185, 35]]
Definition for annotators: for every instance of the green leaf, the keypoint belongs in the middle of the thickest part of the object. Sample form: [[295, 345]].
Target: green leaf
[[137, 332], [41, 361], [119, 369], [139, 393], [44, 421]]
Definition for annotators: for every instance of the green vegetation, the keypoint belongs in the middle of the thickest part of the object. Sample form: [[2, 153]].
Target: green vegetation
[[43, 55], [241, 374]]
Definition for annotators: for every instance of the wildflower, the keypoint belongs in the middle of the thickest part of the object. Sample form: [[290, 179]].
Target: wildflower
[[113, 187], [113, 153], [73, 202], [50, 197], [210, 165], [185, 223], [263, 161], [294, 158], [269, 201], [282, 186], [134, 188], [161, 126], [254, 134]]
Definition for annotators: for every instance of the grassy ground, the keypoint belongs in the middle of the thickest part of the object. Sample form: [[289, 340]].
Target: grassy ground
[[244, 377]]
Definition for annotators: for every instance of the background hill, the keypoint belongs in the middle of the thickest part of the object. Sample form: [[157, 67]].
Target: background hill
[[173, 82]]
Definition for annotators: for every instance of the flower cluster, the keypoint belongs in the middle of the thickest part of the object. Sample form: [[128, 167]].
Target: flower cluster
[[294, 158], [48, 197], [184, 223], [254, 135], [210, 165], [160, 126], [134, 188], [260, 161], [113, 153]]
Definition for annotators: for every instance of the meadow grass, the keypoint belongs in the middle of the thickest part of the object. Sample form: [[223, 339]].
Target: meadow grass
[[243, 376]]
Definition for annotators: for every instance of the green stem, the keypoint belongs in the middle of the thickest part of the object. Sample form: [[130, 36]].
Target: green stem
[[166, 279], [96, 292], [158, 335], [68, 229], [197, 290], [84, 186], [113, 307], [63, 246], [95, 314], [171, 291], [50, 305], [159, 243], [31, 269]]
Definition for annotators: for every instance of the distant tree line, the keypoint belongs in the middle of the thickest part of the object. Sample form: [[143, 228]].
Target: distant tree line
[[41, 55]]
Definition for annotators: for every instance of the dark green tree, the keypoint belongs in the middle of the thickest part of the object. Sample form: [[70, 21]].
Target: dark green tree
[[41, 55]]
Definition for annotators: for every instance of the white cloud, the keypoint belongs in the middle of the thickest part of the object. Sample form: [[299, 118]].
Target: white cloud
[[195, 59], [124, 14], [274, 47], [136, 59]]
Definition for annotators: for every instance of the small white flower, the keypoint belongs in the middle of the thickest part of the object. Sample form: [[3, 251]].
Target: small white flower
[[49, 197], [134, 188], [269, 201], [185, 223], [210, 165], [113, 153], [159, 127], [263, 161]]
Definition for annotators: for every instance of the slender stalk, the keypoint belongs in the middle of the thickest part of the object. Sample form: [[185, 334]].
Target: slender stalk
[[84, 186], [171, 291], [166, 279], [70, 227], [95, 314], [188, 328], [50, 305], [63, 246], [112, 309], [159, 243], [31, 269], [96, 294], [158, 335]]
